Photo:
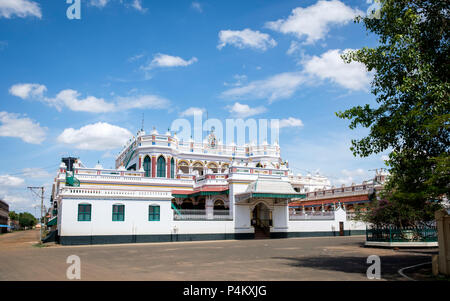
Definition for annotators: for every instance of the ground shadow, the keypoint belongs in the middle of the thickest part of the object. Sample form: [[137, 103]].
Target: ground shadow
[[390, 264]]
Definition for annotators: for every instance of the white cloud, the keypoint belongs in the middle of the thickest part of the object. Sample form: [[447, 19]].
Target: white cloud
[[12, 199], [329, 65], [192, 111], [290, 122], [138, 5], [384, 158], [142, 102], [351, 176], [71, 99], [293, 48], [276, 87], [239, 80], [197, 6], [35, 173], [98, 136], [314, 22], [26, 91], [24, 128], [99, 3], [242, 111], [135, 57], [245, 39], [164, 60], [10, 181], [19, 8]]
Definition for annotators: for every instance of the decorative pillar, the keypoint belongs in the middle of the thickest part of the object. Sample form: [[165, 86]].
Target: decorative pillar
[[153, 166], [209, 207], [168, 167], [140, 162]]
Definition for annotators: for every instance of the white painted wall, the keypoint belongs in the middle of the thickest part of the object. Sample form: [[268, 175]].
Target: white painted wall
[[325, 225], [280, 217], [136, 218], [202, 227]]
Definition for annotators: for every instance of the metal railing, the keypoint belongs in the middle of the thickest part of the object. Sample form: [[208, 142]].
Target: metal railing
[[318, 215], [201, 214], [422, 234]]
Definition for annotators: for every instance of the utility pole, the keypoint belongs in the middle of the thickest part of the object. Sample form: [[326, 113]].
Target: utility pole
[[42, 204]]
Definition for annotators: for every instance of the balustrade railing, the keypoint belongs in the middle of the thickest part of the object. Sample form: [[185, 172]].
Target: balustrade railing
[[201, 214], [419, 234], [318, 215]]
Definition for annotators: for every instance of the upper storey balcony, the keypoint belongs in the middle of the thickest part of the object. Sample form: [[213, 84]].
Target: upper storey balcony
[[206, 148]]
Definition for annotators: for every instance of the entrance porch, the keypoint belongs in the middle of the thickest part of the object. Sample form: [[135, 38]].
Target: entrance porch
[[264, 207]]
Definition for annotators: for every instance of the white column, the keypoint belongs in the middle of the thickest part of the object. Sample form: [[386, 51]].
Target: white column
[[209, 208]]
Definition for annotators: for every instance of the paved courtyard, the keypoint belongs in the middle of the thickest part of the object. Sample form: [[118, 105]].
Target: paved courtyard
[[325, 258]]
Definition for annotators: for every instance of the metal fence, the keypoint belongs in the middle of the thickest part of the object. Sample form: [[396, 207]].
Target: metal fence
[[200, 214], [422, 234], [319, 215]]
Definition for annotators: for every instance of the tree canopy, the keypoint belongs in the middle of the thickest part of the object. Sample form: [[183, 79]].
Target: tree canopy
[[411, 119]]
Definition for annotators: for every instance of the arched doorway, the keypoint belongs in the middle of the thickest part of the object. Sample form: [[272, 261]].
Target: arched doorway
[[261, 220]]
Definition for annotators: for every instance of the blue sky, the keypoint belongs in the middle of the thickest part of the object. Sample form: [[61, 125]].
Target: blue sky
[[80, 87]]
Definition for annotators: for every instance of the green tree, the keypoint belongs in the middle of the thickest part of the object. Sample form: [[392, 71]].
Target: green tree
[[13, 216], [27, 219], [411, 119]]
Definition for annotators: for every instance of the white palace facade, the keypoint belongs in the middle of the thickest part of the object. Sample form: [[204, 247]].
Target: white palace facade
[[164, 189]]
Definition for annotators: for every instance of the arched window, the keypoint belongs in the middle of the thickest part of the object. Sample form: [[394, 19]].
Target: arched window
[[147, 166], [153, 213], [84, 212], [172, 168], [161, 167]]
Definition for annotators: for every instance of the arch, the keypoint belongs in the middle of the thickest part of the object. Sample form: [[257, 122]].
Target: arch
[[219, 208], [198, 166], [183, 166], [262, 216], [225, 166], [213, 166], [147, 166], [161, 167], [172, 168], [187, 204]]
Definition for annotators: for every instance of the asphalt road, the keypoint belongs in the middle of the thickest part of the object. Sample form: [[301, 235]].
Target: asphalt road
[[325, 258]]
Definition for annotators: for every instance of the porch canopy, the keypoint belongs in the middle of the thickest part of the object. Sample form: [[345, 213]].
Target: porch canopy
[[203, 191], [274, 189]]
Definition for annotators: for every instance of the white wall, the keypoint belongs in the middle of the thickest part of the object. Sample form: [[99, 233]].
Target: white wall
[[280, 217], [136, 220], [242, 219], [325, 225], [202, 227]]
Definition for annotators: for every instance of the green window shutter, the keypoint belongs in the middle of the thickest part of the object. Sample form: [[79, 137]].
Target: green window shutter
[[147, 166], [84, 212], [118, 213], [161, 167], [153, 213], [172, 168]]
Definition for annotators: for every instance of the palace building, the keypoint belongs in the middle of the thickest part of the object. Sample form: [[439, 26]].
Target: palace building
[[165, 189]]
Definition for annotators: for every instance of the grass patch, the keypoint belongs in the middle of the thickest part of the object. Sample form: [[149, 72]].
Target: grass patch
[[40, 245]]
